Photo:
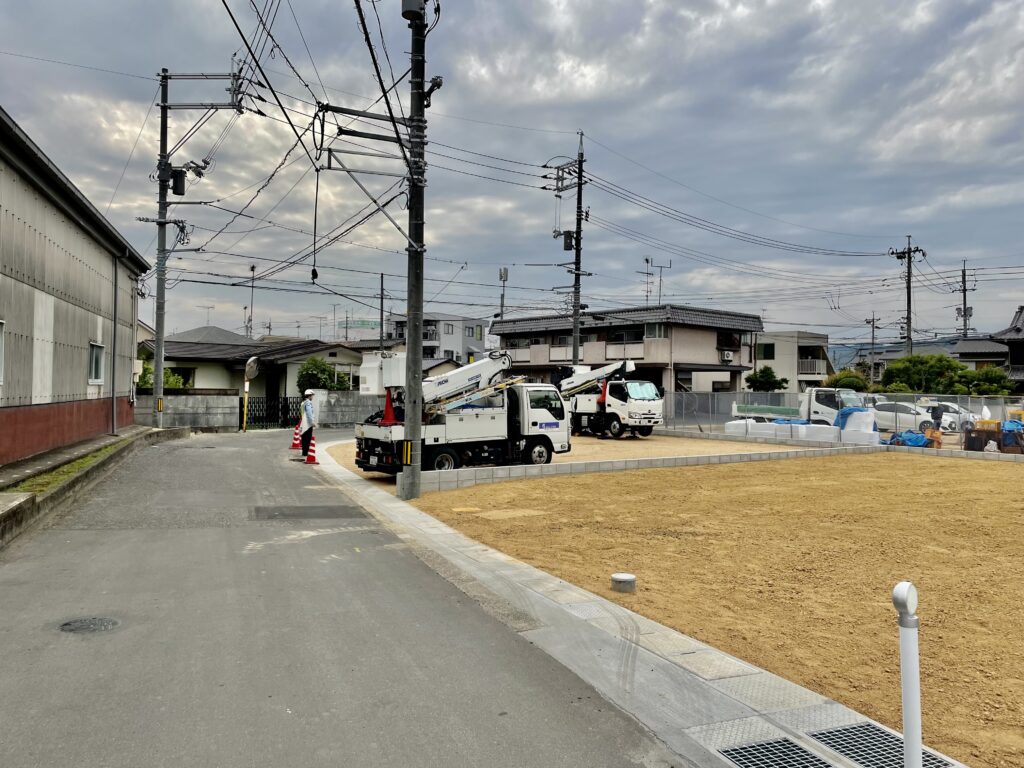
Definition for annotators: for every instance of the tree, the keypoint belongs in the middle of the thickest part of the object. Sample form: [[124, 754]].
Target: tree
[[171, 380], [934, 374], [765, 380], [847, 379], [315, 373], [986, 381]]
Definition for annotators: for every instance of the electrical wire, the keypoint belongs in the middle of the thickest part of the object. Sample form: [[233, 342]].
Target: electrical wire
[[131, 154], [78, 66]]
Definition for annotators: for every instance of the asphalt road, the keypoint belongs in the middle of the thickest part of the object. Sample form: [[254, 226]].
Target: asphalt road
[[310, 641]]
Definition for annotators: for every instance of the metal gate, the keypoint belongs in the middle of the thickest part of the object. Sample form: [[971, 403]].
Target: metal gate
[[271, 412]]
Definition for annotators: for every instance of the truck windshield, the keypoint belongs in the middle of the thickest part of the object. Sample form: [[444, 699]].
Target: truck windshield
[[851, 400], [641, 390]]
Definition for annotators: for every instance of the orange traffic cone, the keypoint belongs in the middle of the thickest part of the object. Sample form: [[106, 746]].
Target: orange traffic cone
[[388, 419], [311, 456], [296, 438]]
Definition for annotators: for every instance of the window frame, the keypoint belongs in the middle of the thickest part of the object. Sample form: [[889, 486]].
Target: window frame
[[449, 329], [655, 331], [102, 355], [761, 349]]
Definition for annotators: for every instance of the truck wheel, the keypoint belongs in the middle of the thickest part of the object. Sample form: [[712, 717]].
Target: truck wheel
[[645, 431], [444, 458], [615, 428], [537, 452]]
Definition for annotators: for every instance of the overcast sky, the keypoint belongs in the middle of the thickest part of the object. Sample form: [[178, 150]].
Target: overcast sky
[[833, 125]]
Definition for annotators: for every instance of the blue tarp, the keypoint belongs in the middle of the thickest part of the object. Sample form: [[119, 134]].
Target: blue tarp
[[913, 439], [791, 421], [1013, 425]]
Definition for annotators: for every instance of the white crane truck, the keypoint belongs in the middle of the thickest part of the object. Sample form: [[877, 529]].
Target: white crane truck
[[603, 402], [473, 415], [818, 405]]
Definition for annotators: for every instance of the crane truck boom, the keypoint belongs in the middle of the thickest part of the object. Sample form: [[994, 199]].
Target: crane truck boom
[[602, 401], [473, 415]]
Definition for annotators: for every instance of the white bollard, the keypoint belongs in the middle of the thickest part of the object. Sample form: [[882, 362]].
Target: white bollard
[[904, 598]]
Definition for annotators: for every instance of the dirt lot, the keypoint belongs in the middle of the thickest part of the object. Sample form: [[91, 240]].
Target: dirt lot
[[790, 566], [592, 449]]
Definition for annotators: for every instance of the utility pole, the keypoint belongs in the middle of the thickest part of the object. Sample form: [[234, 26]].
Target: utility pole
[[963, 311], [578, 260], [909, 253], [414, 11], [165, 173], [648, 274], [873, 322], [503, 277], [252, 296], [381, 329]]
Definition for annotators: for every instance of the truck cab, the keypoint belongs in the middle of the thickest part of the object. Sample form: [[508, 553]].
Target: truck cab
[[634, 406]]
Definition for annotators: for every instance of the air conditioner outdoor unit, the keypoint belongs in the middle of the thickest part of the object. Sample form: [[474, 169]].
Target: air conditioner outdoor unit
[[727, 355]]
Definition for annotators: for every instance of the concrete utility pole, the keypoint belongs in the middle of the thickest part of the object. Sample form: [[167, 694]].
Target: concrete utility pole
[[414, 11], [578, 260], [909, 253], [381, 328], [964, 311], [165, 172], [503, 277], [874, 325]]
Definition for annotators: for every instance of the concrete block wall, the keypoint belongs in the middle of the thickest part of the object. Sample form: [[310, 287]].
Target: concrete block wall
[[337, 409], [195, 411], [464, 478]]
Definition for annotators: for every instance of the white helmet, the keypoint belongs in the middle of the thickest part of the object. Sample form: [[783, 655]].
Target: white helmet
[[308, 392]]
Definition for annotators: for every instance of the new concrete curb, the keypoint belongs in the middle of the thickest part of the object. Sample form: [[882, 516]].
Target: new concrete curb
[[695, 698], [19, 512]]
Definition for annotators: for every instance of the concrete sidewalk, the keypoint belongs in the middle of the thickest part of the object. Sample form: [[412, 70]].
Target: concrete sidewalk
[[263, 618]]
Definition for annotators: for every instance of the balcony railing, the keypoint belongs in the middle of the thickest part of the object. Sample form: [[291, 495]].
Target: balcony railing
[[811, 368]]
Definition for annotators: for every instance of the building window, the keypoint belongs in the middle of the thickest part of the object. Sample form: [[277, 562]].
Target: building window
[[449, 354], [626, 335], [95, 363], [479, 333], [561, 341], [765, 351], [449, 329], [728, 340], [517, 343], [655, 331], [1, 351], [537, 341]]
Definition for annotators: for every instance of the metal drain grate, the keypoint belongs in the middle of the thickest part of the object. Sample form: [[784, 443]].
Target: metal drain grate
[[91, 624], [872, 746], [781, 753], [312, 512]]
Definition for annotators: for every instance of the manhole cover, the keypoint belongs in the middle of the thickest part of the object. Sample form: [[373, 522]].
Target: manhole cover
[[872, 746], [92, 624], [781, 753], [311, 512]]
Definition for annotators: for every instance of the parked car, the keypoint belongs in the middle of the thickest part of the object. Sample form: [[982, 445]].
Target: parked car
[[896, 417]]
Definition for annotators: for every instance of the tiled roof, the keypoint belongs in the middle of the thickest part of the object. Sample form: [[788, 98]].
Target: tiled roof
[[673, 314], [979, 347], [210, 334], [372, 344], [188, 350], [1016, 329]]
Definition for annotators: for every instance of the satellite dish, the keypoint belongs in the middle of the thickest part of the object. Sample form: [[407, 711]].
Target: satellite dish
[[252, 368]]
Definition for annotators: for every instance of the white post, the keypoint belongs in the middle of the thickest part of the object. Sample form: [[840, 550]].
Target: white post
[[904, 598]]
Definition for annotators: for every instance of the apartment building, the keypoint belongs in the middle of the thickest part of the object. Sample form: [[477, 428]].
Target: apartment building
[[445, 337], [799, 356], [679, 348]]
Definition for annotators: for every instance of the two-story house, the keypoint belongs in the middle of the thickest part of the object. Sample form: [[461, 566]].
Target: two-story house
[[679, 348], [445, 337], [799, 356]]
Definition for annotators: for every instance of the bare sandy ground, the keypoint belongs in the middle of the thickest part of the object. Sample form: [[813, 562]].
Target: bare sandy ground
[[790, 565]]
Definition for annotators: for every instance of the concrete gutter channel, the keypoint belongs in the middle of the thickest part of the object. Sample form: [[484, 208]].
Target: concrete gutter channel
[[696, 699], [21, 511]]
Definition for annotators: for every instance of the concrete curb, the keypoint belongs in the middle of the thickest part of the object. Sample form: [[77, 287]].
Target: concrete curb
[[696, 699], [19, 512]]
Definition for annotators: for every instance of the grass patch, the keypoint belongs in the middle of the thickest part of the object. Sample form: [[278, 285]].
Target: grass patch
[[49, 480]]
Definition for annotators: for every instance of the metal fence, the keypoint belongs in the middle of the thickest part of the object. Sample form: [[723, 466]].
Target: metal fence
[[895, 412], [271, 412]]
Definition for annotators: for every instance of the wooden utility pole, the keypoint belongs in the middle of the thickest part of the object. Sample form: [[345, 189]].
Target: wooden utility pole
[[909, 253]]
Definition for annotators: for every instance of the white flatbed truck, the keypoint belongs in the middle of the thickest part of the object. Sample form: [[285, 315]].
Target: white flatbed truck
[[473, 415], [602, 401], [818, 405]]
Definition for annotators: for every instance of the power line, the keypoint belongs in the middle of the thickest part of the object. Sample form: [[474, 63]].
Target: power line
[[132, 153], [726, 202], [78, 66]]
